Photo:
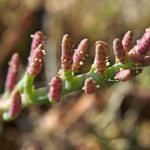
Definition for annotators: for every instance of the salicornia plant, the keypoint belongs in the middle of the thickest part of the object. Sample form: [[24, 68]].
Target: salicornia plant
[[129, 62]]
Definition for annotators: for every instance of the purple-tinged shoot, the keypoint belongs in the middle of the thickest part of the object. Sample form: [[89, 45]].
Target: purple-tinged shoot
[[79, 55], [14, 107], [101, 53], [90, 86], [125, 75], [67, 53], [142, 46], [13, 72], [55, 89], [37, 39], [36, 61], [127, 41], [119, 51]]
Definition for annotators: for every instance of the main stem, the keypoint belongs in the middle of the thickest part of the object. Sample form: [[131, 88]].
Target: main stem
[[32, 96]]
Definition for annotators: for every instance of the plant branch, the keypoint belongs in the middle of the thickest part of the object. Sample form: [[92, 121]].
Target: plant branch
[[128, 64]]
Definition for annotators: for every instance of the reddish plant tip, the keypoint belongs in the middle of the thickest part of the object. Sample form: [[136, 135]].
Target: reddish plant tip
[[37, 39], [118, 50], [13, 72], [125, 75], [100, 56], [36, 61], [127, 41], [80, 55], [89, 86], [142, 45], [55, 89], [67, 53], [84, 44], [15, 104]]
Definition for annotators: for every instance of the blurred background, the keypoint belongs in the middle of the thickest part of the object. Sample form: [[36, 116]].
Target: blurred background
[[117, 116]]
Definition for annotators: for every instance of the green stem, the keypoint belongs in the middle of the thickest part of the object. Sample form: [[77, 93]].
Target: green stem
[[39, 96]]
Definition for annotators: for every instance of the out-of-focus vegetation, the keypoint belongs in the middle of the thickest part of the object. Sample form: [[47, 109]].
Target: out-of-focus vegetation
[[117, 116]]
